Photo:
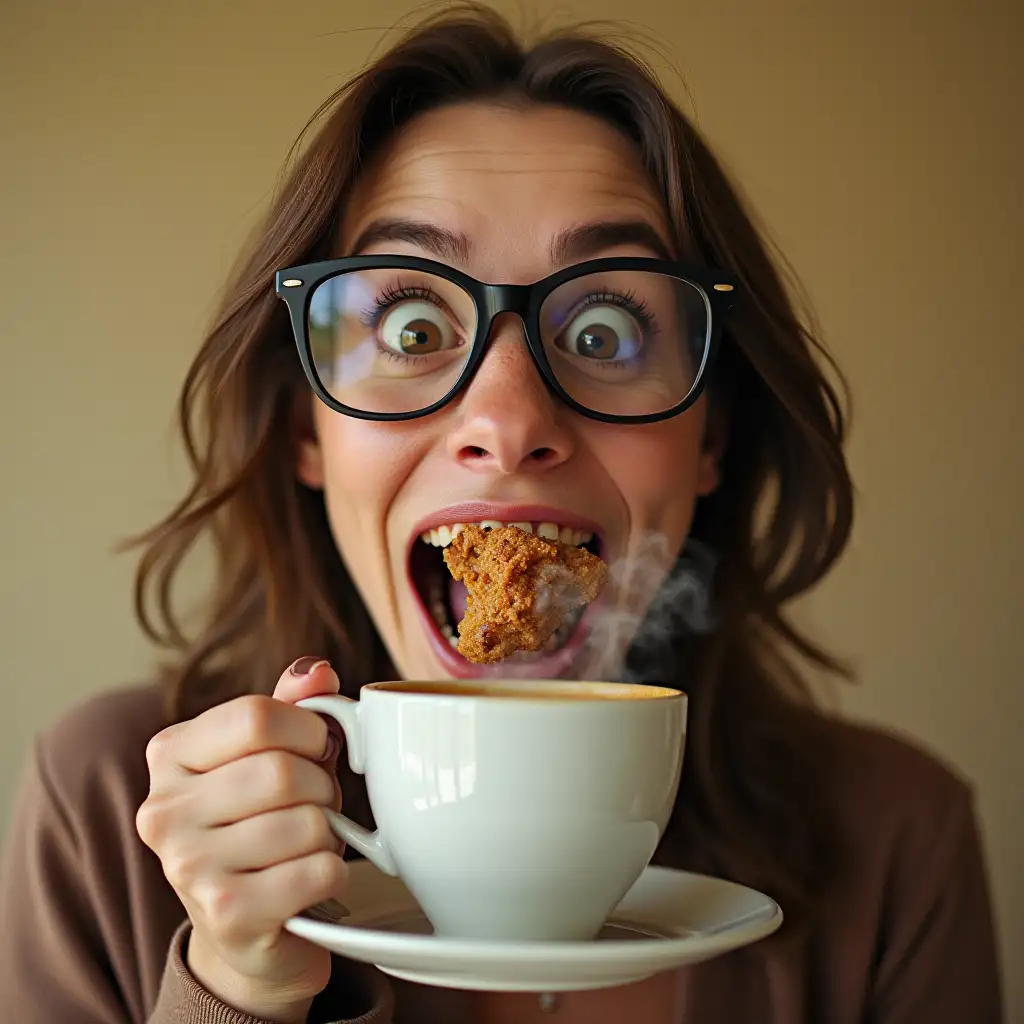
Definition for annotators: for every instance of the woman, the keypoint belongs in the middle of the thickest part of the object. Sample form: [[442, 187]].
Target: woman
[[649, 408]]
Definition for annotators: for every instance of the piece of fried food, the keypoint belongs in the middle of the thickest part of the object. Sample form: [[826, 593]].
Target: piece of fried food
[[521, 588]]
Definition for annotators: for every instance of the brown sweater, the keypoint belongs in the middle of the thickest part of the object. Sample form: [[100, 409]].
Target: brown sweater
[[91, 933]]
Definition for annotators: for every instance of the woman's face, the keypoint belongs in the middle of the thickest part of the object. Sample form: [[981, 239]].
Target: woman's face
[[504, 185]]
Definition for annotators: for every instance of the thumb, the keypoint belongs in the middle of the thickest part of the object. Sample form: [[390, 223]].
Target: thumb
[[310, 677], [307, 677]]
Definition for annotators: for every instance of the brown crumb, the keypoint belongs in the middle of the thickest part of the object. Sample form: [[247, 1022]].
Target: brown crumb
[[521, 588]]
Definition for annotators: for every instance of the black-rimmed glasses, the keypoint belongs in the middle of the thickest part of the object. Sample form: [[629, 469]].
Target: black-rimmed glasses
[[620, 339]]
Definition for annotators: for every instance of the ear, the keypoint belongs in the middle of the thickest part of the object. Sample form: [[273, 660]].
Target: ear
[[309, 460], [716, 437]]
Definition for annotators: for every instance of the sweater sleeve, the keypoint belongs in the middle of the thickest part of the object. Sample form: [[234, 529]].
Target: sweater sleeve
[[938, 961], [73, 947], [362, 999]]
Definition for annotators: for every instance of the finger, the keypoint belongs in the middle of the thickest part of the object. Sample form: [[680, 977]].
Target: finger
[[272, 838], [257, 903], [253, 785], [292, 886], [307, 677], [237, 728]]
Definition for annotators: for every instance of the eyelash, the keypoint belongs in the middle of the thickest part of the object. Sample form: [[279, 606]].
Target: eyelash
[[384, 302], [637, 308]]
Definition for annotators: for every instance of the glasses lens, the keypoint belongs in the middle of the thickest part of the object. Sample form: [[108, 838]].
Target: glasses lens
[[390, 341], [626, 342]]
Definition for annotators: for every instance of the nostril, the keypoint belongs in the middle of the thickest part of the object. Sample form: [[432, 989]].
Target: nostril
[[472, 451]]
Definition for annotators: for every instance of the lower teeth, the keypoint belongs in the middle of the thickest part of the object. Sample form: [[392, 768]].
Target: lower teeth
[[560, 637], [439, 613]]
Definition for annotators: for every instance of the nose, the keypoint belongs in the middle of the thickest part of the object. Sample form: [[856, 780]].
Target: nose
[[508, 422]]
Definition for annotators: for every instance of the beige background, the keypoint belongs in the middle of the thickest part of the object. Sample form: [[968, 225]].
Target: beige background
[[880, 142]]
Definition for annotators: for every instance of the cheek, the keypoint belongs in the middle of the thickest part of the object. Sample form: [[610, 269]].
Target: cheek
[[657, 469], [364, 464]]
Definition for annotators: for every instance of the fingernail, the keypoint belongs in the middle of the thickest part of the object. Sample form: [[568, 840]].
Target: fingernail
[[335, 908], [330, 911], [304, 666], [332, 748]]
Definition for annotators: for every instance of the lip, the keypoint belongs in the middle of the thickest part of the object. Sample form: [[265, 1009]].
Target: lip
[[551, 666]]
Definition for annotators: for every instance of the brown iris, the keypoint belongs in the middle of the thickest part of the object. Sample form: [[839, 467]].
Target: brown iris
[[421, 336], [597, 341]]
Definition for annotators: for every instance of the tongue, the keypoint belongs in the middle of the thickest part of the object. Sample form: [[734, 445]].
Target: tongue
[[458, 598]]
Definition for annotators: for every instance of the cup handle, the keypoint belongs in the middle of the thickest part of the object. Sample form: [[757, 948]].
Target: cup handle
[[348, 714]]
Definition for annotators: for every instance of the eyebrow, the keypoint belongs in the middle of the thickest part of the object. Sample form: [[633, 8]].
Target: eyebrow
[[587, 240], [446, 245], [569, 246]]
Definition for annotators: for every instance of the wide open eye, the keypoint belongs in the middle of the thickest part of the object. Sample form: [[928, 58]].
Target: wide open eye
[[415, 328], [602, 332]]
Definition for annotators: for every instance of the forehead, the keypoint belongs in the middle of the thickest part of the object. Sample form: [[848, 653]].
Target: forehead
[[508, 179]]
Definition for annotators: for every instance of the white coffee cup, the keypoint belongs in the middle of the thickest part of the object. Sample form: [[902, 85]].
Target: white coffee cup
[[513, 810]]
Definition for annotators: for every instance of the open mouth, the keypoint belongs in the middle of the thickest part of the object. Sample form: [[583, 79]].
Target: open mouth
[[444, 599]]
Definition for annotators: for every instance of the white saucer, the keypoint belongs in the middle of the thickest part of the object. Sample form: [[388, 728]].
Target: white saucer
[[667, 920]]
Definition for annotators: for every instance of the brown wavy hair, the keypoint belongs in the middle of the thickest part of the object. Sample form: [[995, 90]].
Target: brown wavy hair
[[778, 522]]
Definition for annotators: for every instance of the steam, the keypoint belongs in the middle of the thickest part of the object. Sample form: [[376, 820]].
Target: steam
[[651, 597], [556, 590]]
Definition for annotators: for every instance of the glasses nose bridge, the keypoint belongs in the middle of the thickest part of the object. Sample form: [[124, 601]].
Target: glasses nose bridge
[[506, 298], [495, 299]]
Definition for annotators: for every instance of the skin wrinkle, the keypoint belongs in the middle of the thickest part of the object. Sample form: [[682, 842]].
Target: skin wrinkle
[[568, 169]]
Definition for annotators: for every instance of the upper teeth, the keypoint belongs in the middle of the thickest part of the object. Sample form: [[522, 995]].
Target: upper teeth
[[442, 536]]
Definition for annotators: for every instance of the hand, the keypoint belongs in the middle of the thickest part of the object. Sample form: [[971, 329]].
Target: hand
[[234, 814]]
